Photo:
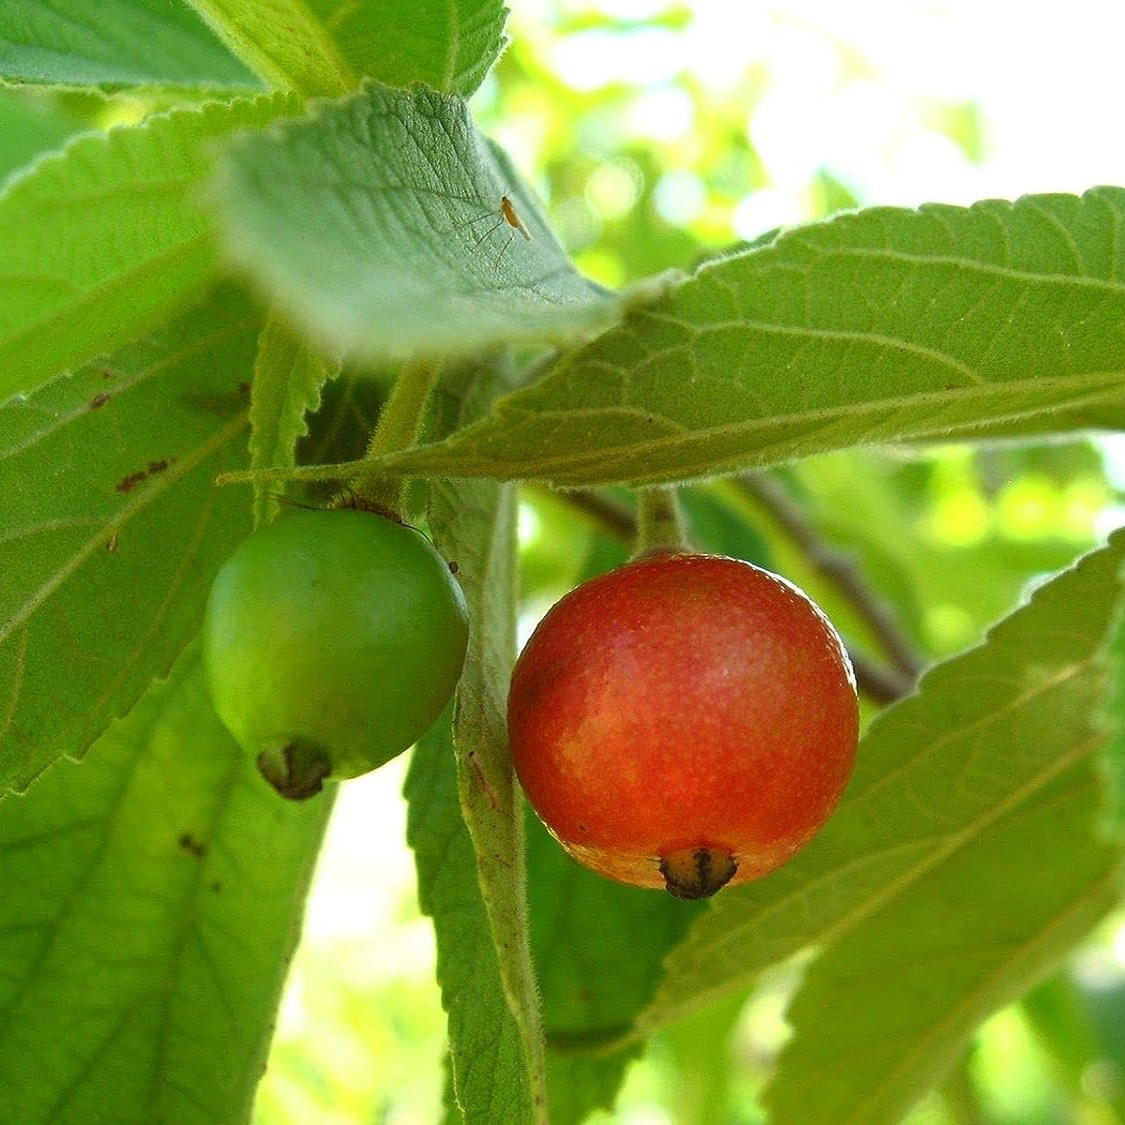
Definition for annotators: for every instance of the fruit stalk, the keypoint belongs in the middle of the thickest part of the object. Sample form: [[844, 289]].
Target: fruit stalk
[[399, 427], [660, 522]]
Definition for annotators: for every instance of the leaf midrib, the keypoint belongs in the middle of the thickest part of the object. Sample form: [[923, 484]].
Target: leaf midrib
[[970, 1000], [1097, 381], [172, 475], [903, 257]]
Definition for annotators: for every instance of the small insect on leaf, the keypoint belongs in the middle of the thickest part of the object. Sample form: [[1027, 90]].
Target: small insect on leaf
[[512, 218], [505, 213]]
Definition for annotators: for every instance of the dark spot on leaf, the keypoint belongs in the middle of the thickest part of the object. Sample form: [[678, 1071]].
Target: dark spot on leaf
[[223, 405], [127, 484], [453, 567], [98, 400], [192, 846], [216, 886]]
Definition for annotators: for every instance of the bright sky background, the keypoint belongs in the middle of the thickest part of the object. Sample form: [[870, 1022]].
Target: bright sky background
[[852, 84]]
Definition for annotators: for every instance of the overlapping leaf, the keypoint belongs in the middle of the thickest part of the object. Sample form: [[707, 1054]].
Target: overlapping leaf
[[288, 378], [489, 1070], [28, 127], [879, 326], [112, 527], [961, 864], [598, 950], [449, 45], [323, 47], [107, 238], [152, 899], [474, 527], [112, 43], [286, 42], [375, 225], [888, 1011]]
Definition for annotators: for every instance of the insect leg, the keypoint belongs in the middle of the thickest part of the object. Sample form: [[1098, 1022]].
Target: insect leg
[[505, 249], [495, 226]]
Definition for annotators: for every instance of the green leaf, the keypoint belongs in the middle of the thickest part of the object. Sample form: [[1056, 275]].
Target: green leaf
[[880, 326], [112, 43], [288, 378], [375, 226], [152, 899], [889, 1009], [598, 951], [961, 865], [599, 946], [1060, 1015], [474, 525], [447, 45], [580, 1084], [323, 47], [29, 126], [700, 1052], [107, 238], [113, 529], [1115, 750], [490, 1082], [286, 42]]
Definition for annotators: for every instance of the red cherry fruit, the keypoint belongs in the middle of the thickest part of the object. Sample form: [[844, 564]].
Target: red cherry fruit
[[685, 721]]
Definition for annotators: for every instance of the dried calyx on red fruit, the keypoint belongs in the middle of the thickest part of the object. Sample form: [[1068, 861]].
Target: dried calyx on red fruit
[[686, 721]]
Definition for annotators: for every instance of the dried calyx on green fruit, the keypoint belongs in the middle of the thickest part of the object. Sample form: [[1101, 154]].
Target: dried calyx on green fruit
[[686, 721], [332, 640]]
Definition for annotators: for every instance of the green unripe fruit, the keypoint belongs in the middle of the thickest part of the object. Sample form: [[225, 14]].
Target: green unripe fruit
[[332, 640]]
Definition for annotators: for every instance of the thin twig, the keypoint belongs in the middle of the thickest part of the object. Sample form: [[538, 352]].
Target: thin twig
[[838, 568], [880, 684], [614, 517]]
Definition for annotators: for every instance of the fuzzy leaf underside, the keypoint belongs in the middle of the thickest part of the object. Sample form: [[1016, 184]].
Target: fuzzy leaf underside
[[877, 326], [489, 1073], [473, 524], [375, 225], [288, 378], [322, 47]]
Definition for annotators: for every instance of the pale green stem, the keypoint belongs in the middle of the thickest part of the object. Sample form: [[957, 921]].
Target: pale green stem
[[399, 427], [660, 523]]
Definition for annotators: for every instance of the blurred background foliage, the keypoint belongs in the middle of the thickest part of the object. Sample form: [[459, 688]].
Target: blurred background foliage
[[659, 134]]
